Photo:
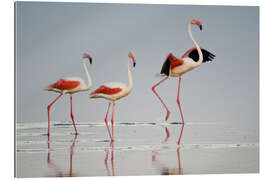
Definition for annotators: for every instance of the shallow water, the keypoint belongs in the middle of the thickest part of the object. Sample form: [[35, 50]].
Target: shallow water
[[139, 149]]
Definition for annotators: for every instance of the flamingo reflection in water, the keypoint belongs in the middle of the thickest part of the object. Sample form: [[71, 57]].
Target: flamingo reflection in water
[[58, 172], [163, 169], [112, 160]]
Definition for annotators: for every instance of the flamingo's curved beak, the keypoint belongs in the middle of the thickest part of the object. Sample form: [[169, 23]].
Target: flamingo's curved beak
[[197, 22], [131, 55], [134, 60], [86, 55]]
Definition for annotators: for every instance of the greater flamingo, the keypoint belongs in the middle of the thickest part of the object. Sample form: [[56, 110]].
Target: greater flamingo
[[176, 67], [114, 91], [70, 86]]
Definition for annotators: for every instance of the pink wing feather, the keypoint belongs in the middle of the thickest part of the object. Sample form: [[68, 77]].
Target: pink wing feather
[[63, 84]]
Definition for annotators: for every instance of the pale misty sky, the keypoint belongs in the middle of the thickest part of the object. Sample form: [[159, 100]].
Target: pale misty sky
[[51, 38]]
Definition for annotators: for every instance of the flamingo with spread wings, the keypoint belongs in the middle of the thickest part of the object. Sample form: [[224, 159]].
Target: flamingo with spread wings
[[176, 67]]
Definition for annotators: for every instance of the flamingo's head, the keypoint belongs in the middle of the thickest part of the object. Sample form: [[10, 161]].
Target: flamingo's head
[[131, 55], [196, 22], [86, 55]]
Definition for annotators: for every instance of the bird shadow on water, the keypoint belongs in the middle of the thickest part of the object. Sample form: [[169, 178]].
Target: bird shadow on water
[[162, 168], [57, 171]]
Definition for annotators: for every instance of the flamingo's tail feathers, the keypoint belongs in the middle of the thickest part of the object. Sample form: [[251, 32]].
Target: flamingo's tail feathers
[[47, 88], [93, 95], [160, 75]]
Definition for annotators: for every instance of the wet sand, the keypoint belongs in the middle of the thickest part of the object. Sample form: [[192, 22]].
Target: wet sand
[[139, 149]]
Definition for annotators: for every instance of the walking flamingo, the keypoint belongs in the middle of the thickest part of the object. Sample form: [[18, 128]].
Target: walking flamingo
[[114, 91], [70, 86], [176, 67]]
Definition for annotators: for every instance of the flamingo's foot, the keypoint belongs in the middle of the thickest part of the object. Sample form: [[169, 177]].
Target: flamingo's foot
[[167, 116], [110, 136], [183, 123]]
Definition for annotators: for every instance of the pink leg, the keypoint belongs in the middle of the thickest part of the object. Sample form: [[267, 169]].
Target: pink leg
[[178, 100], [71, 115], [48, 108], [153, 89], [112, 121], [106, 121]]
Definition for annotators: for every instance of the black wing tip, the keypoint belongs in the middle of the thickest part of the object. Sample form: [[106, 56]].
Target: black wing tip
[[165, 70], [208, 56]]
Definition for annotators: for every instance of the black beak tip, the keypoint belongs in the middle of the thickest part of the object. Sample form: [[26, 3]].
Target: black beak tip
[[90, 60], [200, 27], [134, 64]]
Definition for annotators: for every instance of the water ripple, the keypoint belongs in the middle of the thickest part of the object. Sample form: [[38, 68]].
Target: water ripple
[[158, 147]]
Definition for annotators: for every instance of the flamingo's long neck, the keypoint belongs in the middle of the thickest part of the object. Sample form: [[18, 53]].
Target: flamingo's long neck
[[88, 77], [130, 82], [196, 45]]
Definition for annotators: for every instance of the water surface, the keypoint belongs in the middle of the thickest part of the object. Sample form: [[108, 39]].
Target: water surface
[[139, 149]]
